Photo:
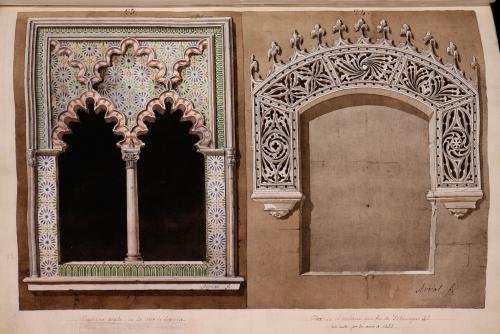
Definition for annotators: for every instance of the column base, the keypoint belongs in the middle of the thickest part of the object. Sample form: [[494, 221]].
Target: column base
[[134, 258]]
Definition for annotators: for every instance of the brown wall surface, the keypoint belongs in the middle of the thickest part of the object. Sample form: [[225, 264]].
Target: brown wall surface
[[365, 177], [269, 249]]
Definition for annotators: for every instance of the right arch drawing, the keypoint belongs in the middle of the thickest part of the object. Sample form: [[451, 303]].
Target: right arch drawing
[[308, 76]]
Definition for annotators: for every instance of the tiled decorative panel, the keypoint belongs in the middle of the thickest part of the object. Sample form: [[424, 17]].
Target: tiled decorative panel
[[216, 215], [47, 215], [89, 51], [128, 81], [131, 70], [111, 269]]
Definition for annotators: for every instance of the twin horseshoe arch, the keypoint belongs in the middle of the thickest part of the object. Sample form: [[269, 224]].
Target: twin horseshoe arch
[[382, 67]]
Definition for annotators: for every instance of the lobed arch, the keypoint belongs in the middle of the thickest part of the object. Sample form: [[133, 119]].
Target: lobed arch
[[189, 113], [71, 115], [440, 90], [131, 134]]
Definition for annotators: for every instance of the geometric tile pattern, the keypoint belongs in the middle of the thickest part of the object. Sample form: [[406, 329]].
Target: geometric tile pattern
[[132, 269], [128, 83], [47, 215], [155, 35], [194, 86], [216, 215]]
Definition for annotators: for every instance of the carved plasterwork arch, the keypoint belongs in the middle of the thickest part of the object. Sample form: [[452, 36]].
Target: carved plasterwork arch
[[137, 50], [130, 127], [71, 115], [402, 70], [177, 103], [130, 136]]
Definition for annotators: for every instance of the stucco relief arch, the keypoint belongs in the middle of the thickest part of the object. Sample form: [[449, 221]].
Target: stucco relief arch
[[402, 70], [131, 136]]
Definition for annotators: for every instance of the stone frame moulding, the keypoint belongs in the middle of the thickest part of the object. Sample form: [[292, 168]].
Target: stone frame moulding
[[289, 88], [70, 63]]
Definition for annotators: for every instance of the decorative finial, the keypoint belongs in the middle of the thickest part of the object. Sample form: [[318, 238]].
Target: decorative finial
[[474, 63], [317, 33], [362, 27], [340, 28], [384, 29], [296, 41], [452, 51], [475, 67], [274, 52], [254, 69], [272, 55], [431, 41], [408, 35]]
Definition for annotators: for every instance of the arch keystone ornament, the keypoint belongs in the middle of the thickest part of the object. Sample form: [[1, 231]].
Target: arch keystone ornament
[[452, 98]]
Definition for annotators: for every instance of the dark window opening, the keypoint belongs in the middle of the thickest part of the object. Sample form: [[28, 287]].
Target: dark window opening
[[171, 187], [92, 198]]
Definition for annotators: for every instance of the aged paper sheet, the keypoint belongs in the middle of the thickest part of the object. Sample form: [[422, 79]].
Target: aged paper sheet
[[12, 320]]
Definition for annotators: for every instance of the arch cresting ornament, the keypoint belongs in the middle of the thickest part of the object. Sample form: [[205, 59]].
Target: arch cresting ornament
[[289, 87]]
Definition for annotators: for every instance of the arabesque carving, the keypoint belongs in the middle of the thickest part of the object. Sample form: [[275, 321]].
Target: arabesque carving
[[307, 76]]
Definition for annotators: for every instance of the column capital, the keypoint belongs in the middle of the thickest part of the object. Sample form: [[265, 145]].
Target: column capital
[[31, 157], [130, 155], [231, 156]]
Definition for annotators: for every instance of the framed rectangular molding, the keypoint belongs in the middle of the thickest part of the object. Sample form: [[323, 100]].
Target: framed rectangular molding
[[66, 66]]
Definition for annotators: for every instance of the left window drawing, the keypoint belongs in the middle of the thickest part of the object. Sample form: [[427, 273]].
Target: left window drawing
[[130, 150]]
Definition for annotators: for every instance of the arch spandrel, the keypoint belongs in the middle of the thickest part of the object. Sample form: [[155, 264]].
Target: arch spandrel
[[129, 119], [401, 70]]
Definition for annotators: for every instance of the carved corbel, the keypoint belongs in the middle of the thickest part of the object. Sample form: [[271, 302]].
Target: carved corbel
[[278, 205], [458, 202]]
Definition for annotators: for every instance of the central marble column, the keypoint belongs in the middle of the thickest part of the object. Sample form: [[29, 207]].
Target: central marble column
[[130, 155]]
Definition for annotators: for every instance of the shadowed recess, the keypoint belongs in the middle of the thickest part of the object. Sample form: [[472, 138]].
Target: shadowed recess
[[171, 192], [92, 192]]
